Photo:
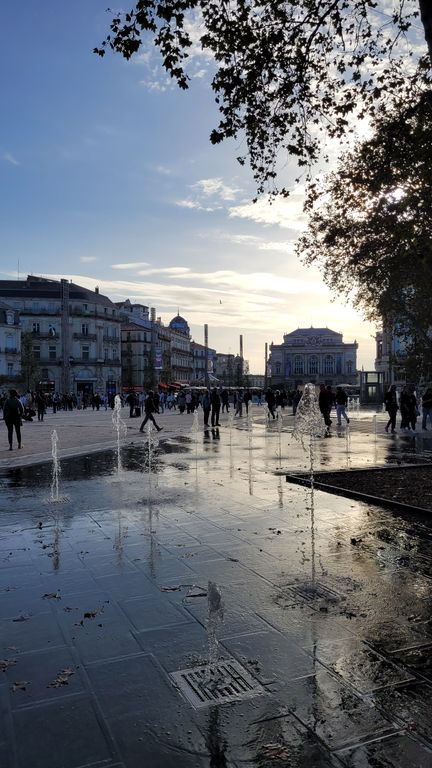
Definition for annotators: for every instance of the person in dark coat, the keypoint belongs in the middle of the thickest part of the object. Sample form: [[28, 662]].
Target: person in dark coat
[[150, 407], [13, 412], [215, 408], [391, 406], [325, 403], [271, 401], [206, 406]]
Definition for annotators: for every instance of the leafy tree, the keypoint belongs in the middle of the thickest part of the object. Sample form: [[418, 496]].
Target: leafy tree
[[285, 71], [30, 368], [370, 228]]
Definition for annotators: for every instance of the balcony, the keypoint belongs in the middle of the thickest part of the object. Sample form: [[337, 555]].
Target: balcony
[[11, 351], [112, 340], [85, 336], [45, 335]]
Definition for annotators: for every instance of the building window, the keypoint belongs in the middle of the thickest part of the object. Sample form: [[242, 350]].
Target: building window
[[52, 353], [36, 351], [51, 307], [313, 365], [298, 364], [84, 329], [9, 318], [85, 352], [106, 354], [85, 307], [35, 306], [349, 367], [44, 374], [9, 342], [51, 330], [10, 369], [36, 328], [328, 365], [114, 353], [278, 368]]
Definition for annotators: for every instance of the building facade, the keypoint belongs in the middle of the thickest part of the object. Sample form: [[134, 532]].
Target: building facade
[[199, 356], [10, 343], [317, 355], [137, 347], [75, 334], [181, 353]]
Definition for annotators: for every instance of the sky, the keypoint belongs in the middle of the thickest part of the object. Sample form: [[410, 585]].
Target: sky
[[108, 178]]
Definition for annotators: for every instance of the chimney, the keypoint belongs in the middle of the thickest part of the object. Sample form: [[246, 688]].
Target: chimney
[[97, 289], [153, 314]]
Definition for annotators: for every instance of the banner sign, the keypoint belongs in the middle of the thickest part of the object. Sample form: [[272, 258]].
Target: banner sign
[[158, 358]]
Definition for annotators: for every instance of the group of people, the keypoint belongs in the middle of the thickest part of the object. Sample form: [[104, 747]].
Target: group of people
[[409, 408], [327, 400]]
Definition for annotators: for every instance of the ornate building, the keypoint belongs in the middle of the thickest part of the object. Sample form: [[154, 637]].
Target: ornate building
[[181, 354], [75, 333], [10, 343], [316, 355]]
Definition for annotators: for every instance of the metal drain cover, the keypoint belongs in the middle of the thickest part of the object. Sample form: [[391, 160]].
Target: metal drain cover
[[310, 590], [218, 683]]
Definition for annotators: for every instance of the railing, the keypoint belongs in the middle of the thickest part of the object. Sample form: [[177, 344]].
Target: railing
[[85, 336], [10, 351]]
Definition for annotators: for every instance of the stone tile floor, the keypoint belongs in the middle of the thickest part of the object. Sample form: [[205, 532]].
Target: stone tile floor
[[103, 595]]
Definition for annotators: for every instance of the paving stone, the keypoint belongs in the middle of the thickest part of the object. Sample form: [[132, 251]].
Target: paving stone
[[358, 665], [400, 751], [70, 727]]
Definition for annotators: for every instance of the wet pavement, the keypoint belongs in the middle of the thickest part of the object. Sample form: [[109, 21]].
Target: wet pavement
[[103, 597]]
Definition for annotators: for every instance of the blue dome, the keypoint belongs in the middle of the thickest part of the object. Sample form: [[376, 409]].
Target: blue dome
[[178, 323]]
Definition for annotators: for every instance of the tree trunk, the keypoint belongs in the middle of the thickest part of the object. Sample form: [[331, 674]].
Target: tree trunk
[[426, 17]]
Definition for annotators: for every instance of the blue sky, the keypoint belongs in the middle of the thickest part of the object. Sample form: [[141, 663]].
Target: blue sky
[[108, 178]]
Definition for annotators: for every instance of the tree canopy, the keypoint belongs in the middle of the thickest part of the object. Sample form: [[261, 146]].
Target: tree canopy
[[370, 225], [286, 71]]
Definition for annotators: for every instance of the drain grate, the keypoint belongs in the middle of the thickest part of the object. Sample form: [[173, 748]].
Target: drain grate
[[218, 683], [310, 590]]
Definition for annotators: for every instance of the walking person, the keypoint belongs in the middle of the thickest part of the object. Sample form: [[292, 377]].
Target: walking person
[[40, 405], [325, 404], [341, 400], [150, 407], [215, 408], [225, 400], [206, 406], [427, 408], [391, 406], [270, 400], [240, 400], [247, 397], [13, 412]]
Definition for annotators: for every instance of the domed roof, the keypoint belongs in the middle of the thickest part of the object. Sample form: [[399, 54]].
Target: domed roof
[[178, 323]]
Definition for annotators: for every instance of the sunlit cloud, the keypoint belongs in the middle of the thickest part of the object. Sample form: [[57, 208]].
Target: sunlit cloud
[[284, 212], [174, 271], [88, 259], [130, 265], [9, 158], [215, 188]]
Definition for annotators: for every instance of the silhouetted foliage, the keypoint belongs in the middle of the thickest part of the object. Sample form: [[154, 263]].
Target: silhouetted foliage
[[285, 71]]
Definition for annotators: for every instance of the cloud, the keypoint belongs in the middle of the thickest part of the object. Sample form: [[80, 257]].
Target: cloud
[[215, 188], [88, 259], [130, 265], [175, 271], [194, 204], [9, 158], [285, 212]]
